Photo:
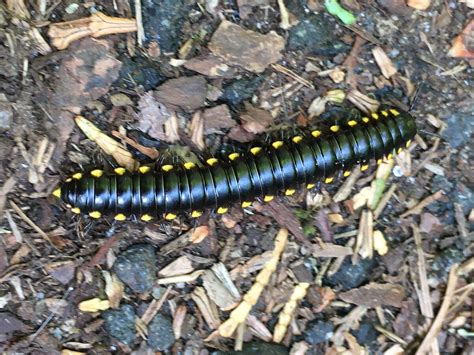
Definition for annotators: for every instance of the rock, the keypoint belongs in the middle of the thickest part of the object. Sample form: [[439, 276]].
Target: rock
[[163, 21], [160, 333], [250, 50], [240, 90], [443, 261], [120, 323], [463, 195], [141, 71], [366, 334], [6, 116], [187, 92], [315, 34], [136, 267], [318, 332], [9, 323], [460, 127], [351, 276]]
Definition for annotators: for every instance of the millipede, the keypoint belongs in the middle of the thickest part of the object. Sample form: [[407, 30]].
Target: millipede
[[262, 171]]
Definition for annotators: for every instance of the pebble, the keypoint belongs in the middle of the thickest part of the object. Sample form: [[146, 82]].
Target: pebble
[[351, 276], [163, 21], [318, 332], [6, 116], [160, 333], [120, 323], [136, 267], [460, 127], [241, 90]]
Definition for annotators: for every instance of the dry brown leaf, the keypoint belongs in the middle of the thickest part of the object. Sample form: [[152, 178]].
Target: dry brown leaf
[[375, 295], [199, 234], [463, 44]]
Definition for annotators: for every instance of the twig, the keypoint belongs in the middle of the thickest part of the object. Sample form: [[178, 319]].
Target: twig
[[423, 203], [154, 307], [461, 219], [292, 74], [425, 298], [5, 190], [438, 321], [30, 222], [138, 18]]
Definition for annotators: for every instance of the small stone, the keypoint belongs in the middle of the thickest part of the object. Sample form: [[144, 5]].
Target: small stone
[[366, 334], [444, 261], [459, 128], [251, 50], [120, 323], [6, 116], [318, 332], [241, 90], [351, 275], [315, 35], [136, 267], [160, 333]]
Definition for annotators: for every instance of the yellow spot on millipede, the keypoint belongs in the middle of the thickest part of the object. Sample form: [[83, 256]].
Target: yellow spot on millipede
[[316, 133], [189, 165], [310, 186], [77, 176], [234, 156], [334, 128], [167, 167], [170, 216], [57, 192], [329, 180], [246, 204], [211, 161], [120, 171], [120, 217], [375, 116], [146, 218], [297, 139], [68, 179], [290, 192], [346, 173], [399, 150], [268, 198], [364, 167], [76, 210], [352, 123], [385, 113], [379, 161], [277, 144], [196, 214], [97, 173], [95, 214], [255, 150], [144, 169], [365, 119], [389, 156], [222, 210], [408, 144], [394, 112]]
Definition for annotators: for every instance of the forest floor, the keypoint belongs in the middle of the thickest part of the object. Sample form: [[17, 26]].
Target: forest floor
[[377, 262]]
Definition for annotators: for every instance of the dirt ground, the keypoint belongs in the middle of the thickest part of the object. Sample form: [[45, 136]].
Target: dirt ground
[[378, 262]]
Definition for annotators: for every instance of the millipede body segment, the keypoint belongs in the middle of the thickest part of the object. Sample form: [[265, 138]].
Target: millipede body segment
[[261, 172]]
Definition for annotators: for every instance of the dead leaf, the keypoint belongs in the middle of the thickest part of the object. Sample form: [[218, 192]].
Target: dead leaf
[[152, 116], [62, 271], [255, 120], [463, 45], [217, 118], [384, 62], [114, 289], [199, 234]]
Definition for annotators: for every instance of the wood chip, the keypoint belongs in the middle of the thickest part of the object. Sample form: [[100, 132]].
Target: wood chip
[[384, 62], [248, 49], [180, 266], [374, 295]]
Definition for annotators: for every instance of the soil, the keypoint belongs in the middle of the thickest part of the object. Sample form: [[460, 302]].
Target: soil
[[207, 78]]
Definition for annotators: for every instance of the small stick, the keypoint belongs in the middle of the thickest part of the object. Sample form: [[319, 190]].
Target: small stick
[[423, 203], [30, 222], [384, 200], [438, 321]]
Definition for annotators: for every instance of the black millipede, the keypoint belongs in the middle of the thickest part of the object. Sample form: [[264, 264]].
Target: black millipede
[[263, 171]]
